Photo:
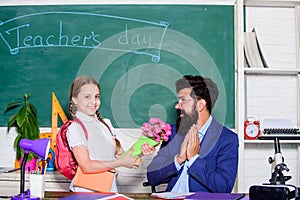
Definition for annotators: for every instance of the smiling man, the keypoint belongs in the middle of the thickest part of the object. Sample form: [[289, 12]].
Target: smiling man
[[203, 154]]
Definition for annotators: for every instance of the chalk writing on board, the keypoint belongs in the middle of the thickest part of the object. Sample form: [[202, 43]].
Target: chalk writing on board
[[30, 31]]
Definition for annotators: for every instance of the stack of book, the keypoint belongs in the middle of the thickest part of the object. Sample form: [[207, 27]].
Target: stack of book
[[253, 53]]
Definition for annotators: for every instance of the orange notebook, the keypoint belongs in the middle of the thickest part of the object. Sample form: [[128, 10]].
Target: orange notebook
[[100, 182]]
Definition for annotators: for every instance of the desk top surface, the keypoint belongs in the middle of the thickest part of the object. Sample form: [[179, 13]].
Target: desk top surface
[[51, 195]]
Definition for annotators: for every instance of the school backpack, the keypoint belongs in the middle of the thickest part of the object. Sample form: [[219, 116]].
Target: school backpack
[[65, 161]]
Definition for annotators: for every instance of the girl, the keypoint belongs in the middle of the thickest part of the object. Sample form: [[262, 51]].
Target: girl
[[101, 151]]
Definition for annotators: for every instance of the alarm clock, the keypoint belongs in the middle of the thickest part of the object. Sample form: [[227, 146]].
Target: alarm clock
[[251, 129]]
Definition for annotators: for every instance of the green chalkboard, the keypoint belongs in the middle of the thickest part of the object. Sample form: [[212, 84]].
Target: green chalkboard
[[136, 52]]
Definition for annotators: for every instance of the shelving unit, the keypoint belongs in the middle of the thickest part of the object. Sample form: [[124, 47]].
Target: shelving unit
[[263, 147]]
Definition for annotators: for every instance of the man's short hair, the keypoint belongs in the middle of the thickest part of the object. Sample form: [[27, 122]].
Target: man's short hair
[[202, 88]]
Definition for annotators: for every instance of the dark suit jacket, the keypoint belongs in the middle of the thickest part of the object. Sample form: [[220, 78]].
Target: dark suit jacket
[[213, 171]]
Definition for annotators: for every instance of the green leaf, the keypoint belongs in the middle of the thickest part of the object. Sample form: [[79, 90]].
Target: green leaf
[[33, 109], [26, 129], [25, 121], [17, 140], [12, 106], [28, 109], [26, 97], [34, 129], [18, 152], [31, 156], [21, 117], [32, 120], [17, 147], [11, 121]]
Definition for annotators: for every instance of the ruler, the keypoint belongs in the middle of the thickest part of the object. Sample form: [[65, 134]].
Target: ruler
[[56, 111]]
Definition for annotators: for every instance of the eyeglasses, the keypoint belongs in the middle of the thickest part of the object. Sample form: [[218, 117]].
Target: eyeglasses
[[183, 101]]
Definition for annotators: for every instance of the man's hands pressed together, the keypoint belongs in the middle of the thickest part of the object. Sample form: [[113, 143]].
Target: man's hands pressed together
[[190, 146]]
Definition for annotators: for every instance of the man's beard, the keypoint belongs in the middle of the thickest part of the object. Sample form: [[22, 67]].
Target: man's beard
[[185, 122]]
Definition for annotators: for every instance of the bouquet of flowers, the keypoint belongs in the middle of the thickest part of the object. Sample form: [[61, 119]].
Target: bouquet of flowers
[[156, 129], [153, 132]]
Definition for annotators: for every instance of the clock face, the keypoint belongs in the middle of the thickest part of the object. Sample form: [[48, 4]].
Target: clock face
[[251, 129]]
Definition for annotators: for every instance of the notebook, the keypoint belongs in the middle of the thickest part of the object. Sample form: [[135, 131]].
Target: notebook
[[100, 182], [216, 196]]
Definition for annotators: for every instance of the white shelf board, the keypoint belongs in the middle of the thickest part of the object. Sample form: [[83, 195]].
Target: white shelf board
[[271, 141], [276, 3], [271, 71]]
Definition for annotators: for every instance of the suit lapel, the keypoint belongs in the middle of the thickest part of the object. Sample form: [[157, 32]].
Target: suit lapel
[[211, 137]]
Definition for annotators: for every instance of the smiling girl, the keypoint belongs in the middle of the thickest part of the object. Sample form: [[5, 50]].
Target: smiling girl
[[97, 153]]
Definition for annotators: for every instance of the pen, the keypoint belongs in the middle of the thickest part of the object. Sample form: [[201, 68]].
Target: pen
[[43, 168]]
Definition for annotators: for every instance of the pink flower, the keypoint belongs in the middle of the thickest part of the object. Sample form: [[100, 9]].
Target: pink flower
[[156, 129], [155, 120]]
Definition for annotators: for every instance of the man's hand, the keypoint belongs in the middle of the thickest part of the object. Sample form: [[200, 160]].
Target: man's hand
[[181, 158], [193, 146]]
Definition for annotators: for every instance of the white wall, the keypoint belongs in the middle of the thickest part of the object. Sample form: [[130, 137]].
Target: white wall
[[272, 97], [7, 153]]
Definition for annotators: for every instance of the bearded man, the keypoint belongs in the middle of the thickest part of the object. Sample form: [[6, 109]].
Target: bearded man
[[203, 154]]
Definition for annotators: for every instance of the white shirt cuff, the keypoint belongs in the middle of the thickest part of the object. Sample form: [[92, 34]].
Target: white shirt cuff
[[190, 162], [177, 165]]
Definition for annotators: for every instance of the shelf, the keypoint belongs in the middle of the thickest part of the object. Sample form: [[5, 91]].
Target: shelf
[[271, 142], [271, 71], [277, 3]]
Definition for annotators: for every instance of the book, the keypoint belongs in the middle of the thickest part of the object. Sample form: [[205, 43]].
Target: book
[[137, 146], [253, 53], [94, 196], [171, 195], [100, 182], [86, 196], [216, 196]]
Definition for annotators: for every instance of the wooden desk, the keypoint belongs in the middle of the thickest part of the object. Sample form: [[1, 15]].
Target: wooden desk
[[136, 196], [52, 195], [56, 186]]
